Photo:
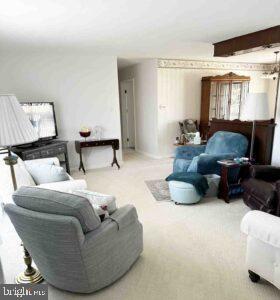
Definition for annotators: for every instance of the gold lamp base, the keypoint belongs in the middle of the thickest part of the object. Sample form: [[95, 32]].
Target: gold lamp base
[[34, 278], [30, 275]]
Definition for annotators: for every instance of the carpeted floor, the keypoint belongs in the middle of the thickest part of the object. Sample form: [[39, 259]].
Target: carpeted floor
[[190, 252]]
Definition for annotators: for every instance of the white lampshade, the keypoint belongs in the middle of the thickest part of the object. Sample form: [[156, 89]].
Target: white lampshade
[[15, 127], [255, 107]]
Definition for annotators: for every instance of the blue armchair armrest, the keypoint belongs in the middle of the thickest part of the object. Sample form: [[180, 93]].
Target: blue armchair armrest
[[189, 152], [208, 163]]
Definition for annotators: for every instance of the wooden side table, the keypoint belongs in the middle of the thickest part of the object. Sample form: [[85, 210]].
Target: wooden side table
[[114, 143], [226, 187]]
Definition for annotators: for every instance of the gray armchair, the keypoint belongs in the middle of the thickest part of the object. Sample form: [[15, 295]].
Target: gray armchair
[[71, 247]]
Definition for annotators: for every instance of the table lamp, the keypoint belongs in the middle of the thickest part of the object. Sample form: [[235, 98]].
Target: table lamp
[[255, 108], [16, 129]]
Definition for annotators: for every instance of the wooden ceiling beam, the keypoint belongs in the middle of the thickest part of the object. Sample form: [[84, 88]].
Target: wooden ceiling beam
[[267, 38]]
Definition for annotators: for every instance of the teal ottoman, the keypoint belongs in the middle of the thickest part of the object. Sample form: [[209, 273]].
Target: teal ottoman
[[183, 193]]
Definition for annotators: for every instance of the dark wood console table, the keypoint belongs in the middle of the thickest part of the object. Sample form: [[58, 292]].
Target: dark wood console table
[[49, 149], [79, 145]]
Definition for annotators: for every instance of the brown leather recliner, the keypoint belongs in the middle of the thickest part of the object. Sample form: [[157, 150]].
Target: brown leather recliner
[[262, 189]]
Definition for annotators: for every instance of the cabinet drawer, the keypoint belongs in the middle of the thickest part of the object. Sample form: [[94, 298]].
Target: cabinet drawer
[[32, 155], [47, 152], [60, 149], [105, 143]]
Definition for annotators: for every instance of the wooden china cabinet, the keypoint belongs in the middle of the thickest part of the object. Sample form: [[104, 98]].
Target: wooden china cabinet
[[221, 98]]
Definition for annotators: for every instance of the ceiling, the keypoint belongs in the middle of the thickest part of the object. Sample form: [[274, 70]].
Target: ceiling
[[133, 29]]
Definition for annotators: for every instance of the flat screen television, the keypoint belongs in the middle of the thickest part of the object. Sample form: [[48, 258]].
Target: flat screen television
[[42, 117]]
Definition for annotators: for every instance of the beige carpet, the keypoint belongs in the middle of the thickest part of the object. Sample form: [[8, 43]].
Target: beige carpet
[[190, 252]]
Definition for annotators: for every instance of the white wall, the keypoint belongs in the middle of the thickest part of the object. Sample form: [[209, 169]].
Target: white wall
[[145, 80], [83, 87], [179, 97], [272, 84]]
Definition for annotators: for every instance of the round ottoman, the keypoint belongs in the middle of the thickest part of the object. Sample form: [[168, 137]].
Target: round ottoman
[[183, 193]]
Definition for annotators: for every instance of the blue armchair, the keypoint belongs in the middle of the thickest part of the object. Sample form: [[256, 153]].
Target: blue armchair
[[203, 158]]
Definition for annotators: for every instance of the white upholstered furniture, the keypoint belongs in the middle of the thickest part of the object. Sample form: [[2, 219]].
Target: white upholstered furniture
[[263, 246], [25, 179]]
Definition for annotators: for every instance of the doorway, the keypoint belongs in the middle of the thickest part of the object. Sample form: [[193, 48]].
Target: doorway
[[127, 104]]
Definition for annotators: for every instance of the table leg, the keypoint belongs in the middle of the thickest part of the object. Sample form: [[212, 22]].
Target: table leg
[[67, 162], [81, 163], [224, 186], [115, 161]]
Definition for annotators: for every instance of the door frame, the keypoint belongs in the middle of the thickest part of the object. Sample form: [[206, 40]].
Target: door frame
[[134, 107]]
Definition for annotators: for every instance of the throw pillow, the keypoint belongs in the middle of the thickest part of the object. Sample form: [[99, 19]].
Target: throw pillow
[[193, 166], [44, 173], [100, 202]]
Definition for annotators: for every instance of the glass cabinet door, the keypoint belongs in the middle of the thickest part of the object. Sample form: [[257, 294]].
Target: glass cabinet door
[[226, 98], [235, 100], [213, 101], [239, 91], [223, 103], [219, 99]]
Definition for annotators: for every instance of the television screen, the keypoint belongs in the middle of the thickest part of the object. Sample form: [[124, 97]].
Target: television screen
[[42, 117]]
